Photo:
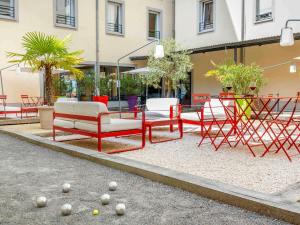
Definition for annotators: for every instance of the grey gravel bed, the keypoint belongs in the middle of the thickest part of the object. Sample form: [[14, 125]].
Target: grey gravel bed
[[27, 171]]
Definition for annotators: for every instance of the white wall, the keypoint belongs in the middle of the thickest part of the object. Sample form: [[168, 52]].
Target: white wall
[[228, 21], [186, 25], [282, 11]]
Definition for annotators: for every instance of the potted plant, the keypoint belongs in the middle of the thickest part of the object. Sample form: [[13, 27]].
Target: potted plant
[[85, 86], [244, 80], [131, 86], [47, 53]]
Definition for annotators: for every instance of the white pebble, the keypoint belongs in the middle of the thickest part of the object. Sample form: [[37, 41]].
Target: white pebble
[[120, 209], [105, 199], [41, 201], [113, 186], [66, 209], [66, 188]]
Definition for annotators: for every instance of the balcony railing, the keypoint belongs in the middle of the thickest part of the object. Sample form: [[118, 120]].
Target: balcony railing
[[115, 27], [203, 26], [66, 20], [6, 10], [154, 34], [264, 16]]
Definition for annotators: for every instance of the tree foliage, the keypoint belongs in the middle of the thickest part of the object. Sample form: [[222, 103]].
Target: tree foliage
[[239, 76], [172, 68], [46, 53]]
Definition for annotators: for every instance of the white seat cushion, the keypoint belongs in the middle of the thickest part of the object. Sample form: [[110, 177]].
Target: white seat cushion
[[9, 108], [64, 123], [115, 125], [62, 99], [160, 107], [212, 109], [92, 109]]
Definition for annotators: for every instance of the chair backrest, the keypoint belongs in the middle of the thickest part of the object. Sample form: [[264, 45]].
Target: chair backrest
[[25, 100], [161, 104], [226, 95], [3, 100], [200, 98], [84, 109]]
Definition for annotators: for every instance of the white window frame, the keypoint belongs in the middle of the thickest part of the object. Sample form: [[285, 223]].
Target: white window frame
[[201, 15], [256, 13], [56, 24], [122, 18], [159, 17], [14, 4]]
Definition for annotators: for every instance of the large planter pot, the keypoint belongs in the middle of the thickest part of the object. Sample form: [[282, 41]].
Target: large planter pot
[[46, 117], [103, 99], [132, 102], [243, 107]]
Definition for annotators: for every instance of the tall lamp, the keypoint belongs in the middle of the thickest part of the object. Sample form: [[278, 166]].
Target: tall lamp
[[159, 53], [287, 34], [18, 70]]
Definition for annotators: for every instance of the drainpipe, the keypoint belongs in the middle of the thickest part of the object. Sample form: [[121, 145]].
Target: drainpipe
[[97, 64], [242, 50]]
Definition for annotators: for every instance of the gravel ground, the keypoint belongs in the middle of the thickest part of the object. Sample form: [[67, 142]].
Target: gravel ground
[[235, 166], [27, 171]]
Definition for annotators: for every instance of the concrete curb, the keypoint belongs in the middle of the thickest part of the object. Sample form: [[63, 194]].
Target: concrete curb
[[265, 204]]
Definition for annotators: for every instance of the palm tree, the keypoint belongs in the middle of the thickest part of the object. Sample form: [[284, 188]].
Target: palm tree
[[46, 53]]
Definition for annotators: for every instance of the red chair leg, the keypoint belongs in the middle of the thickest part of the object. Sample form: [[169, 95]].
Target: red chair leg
[[99, 144]]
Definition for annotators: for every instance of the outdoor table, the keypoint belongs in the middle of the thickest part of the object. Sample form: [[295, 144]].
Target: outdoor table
[[260, 124], [150, 123]]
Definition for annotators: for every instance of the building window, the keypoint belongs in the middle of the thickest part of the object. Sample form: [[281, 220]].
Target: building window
[[65, 13], [154, 25], [206, 15], [8, 9], [264, 10], [114, 22]]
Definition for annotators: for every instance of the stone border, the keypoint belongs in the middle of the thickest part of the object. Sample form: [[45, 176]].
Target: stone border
[[261, 203], [19, 121]]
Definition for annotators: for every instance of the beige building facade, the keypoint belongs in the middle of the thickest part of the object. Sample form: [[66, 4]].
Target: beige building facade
[[124, 25]]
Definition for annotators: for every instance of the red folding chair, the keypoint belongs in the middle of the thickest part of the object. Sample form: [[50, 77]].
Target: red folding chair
[[3, 104], [26, 101], [286, 131]]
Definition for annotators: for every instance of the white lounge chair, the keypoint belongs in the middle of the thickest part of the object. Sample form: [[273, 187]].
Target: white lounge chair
[[94, 120]]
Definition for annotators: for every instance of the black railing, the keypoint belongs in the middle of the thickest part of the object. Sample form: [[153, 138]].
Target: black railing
[[203, 26], [6, 9], [264, 16], [66, 20], [154, 34], [115, 27]]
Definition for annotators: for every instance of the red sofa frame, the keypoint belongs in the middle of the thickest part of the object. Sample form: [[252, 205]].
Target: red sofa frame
[[100, 135]]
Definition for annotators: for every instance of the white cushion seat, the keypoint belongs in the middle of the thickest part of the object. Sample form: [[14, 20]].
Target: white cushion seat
[[213, 109], [114, 125], [9, 108], [65, 99], [160, 107], [64, 123]]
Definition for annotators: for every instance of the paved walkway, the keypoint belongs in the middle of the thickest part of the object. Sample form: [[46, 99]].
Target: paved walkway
[[27, 171]]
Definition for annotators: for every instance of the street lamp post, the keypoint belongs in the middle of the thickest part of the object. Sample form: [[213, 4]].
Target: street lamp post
[[287, 34], [159, 53]]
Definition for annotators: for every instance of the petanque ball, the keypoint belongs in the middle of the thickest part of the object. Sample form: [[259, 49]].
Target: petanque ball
[[95, 212], [120, 209], [113, 186], [41, 202], [66, 209], [66, 188], [105, 199]]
